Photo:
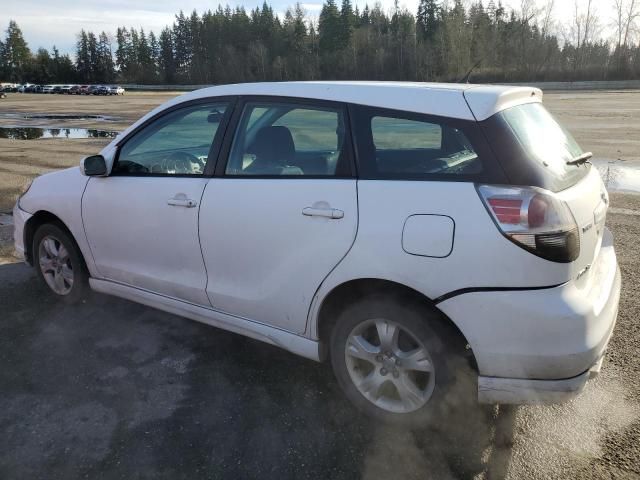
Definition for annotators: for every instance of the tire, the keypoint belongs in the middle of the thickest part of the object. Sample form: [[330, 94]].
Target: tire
[[448, 388], [59, 263]]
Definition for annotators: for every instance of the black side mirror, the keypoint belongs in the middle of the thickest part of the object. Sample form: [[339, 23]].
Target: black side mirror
[[94, 166]]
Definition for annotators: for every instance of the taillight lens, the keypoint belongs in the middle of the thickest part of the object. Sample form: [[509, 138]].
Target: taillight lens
[[535, 220]]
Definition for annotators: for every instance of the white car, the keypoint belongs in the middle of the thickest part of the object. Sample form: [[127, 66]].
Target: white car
[[436, 242]]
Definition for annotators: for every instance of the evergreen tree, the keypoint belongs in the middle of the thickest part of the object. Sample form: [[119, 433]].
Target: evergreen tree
[[83, 57], [16, 54], [329, 27], [166, 59]]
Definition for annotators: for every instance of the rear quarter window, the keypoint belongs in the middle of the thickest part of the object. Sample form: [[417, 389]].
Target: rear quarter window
[[403, 145]]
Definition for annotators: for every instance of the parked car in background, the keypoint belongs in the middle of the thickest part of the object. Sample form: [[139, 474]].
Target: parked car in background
[[57, 89], [48, 89], [38, 89], [116, 90], [74, 90], [66, 89], [82, 90], [102, 90], [30, 88], [350, 200]]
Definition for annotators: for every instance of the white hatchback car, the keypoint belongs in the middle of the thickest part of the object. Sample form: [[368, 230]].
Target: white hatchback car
[[437, 242]]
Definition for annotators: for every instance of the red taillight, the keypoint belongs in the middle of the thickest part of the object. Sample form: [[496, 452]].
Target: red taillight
[[534, 219], [506, 210], [537, 211]]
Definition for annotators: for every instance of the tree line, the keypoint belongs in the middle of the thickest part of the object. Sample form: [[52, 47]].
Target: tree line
[[443, 41]]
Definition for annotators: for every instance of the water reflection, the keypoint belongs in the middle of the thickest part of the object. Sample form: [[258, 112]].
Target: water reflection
[[35, 133], [618, 176]]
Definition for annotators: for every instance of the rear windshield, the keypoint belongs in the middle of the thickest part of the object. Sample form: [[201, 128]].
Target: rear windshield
[[546, 143]]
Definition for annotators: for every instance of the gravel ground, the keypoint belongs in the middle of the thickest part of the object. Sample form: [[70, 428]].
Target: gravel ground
[[111, 389]]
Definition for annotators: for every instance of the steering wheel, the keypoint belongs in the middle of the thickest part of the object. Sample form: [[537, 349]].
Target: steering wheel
[[181, 162]]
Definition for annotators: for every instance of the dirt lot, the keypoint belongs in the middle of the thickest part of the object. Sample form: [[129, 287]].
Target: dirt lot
[[111, 389]]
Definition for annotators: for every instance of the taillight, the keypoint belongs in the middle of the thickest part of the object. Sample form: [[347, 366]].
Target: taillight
[[535, 220]]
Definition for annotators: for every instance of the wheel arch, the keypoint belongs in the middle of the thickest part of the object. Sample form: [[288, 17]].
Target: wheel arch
[[355, 289], [38, 219]]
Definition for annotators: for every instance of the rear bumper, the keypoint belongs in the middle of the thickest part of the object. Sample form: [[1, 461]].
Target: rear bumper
[[536, 346], [519, 391]]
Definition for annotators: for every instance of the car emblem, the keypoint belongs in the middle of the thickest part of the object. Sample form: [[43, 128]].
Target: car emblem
[[583, 271]]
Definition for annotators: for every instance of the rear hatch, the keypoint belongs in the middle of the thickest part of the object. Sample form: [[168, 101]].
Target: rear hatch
[[535, 150], [588, 202]]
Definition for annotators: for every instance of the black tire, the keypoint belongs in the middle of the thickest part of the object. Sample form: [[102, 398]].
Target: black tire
[[80, 287], [455, 387]]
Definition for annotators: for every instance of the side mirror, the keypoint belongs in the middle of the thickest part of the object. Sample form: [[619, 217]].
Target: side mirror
[[94, 166]]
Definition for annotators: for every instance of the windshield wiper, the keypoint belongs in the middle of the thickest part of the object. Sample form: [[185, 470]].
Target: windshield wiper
[[584, 158]]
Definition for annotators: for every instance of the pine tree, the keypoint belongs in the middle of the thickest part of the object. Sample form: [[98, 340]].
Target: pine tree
[[16, 53], [329, 27], [166, 59], [105, 71], [348, 22], [92, 47], [83, 58], [427, 19]]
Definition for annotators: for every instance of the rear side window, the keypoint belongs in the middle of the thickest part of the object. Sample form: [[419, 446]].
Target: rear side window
[[397, 134], [279, 139], [411, 146]]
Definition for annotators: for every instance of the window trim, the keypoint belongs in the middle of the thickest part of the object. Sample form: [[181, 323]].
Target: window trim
[[234, 124], [361, 116], [214, 149]]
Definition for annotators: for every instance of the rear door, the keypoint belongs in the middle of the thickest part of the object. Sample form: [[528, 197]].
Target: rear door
[[281, 212]]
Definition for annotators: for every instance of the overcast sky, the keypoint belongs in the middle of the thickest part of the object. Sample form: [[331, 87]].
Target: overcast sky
[[45, 23]]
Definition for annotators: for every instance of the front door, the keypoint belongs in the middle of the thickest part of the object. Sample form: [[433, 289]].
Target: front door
[[142, 220], [281, 214]]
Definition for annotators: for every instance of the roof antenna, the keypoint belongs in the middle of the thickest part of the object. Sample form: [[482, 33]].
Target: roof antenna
[[467, 76]]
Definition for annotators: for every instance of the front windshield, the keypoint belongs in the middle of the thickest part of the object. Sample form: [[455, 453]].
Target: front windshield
[[546, 141]]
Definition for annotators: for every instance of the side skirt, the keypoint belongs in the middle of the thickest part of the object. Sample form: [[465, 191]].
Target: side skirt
[[288, 341]]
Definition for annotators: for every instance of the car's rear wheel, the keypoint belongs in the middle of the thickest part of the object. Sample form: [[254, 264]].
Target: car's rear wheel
[[398, 363], [59, 263]]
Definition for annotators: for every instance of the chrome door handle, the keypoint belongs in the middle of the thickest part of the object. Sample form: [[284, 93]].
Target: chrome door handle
[[182, 202], [333, 213]]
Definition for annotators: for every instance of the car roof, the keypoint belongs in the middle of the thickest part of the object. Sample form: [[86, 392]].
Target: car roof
[[454, 100]]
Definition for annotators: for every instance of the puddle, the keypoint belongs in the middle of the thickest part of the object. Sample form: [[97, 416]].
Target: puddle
[[56, 116], [35, 133], [618, 176]]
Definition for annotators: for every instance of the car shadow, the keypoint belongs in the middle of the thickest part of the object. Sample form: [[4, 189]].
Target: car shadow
[[111, 388]]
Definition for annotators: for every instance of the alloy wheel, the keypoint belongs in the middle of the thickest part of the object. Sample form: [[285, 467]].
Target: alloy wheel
[[389, 366], [55, 265]]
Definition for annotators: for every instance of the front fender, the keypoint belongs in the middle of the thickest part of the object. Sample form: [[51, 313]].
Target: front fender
[[60, 194]]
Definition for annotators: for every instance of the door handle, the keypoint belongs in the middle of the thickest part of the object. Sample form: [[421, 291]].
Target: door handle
[[179, 201], [333, 213]]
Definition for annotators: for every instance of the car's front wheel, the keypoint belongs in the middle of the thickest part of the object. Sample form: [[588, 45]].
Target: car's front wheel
[[59, 263], [396, 362]]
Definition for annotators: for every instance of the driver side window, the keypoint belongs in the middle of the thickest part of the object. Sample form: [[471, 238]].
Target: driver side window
[[177, 143]]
